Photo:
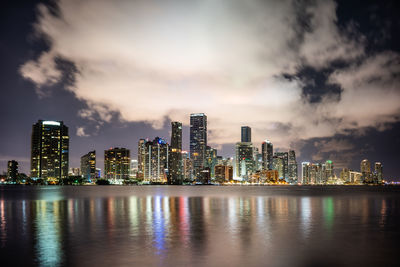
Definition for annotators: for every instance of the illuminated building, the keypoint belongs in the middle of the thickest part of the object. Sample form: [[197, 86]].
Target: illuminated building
[[329, 172], [244, 159], [305, 172], [133, 169], [378, 172], [223, 173], [267, 153], [116, 164], [12, 170], [345, 175], [365, 169], [198, 142], [141, 156], [284, 169], [355, 177], [269, 176], [315, 173], [88, 166], [257, 158], [278, 164], [155, 161], [74, 172], [292, 167], [98, 173], [211, 160], [49, 151], [187, 166], [246, 134], [175, 157]]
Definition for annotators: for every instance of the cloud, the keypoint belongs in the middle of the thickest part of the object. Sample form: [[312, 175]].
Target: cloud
[[80, 131], [147, 60]]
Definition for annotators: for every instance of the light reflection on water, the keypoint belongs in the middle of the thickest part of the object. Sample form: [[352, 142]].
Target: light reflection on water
[[213, 226]]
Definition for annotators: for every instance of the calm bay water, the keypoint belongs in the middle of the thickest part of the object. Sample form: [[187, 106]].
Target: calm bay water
[[199, 226]]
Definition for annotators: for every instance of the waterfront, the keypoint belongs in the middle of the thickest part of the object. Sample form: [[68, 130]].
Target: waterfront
[[199, 225]]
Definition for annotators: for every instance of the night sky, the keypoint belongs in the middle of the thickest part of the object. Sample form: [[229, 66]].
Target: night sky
[[320, 77]]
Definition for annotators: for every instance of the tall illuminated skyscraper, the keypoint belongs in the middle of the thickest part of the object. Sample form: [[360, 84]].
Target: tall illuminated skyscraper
[[246, 134], [267, 153], [49, 151], [292, 167], [244, 160], [198, 142], [378, 172], [175, 156], [305, 172], [141, 155], [155, 161], [285, 167], [365, 169], [88, 166], [117, 164]]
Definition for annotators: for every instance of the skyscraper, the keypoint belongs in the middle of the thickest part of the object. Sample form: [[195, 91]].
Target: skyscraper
[[49, 151], [155, 161], [285, 161], [246, 134], [88, 166], [292, 167], [175, 157], [198, 142], [116, 164], [365, 169], [305, 173], [378, 172], [267, 153], [244, 160], [329, 172], [278, 164], [141, 155], [12, 170]]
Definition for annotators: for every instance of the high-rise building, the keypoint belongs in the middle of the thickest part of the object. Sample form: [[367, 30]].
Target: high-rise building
[[267, 153], [211, 160], [88, 166], [244, 160], [223, 173], [285, 168], [246, 134], [198, 142], [305, 172], [155, 161], [257, 158], [378, 173], [365, 169], [187, 166], [116, 164], [12, 170], [141, 156], [345, 175], [49, 151], [133, 169], [74, 172], [292, 167], [175, 157], [278, 164], [329, 172]]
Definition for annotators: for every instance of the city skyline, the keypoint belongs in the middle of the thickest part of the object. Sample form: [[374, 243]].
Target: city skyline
[[292, 96]]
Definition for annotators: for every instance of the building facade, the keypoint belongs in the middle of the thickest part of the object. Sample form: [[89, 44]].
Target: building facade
[[245, 134], [49, 151], [198, 142], [116, 164], [12, 170], [175, 158], [244, 160], [267, 154], [155, 161], [88, 166]]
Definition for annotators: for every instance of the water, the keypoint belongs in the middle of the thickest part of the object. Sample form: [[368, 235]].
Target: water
[[199, 226]]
